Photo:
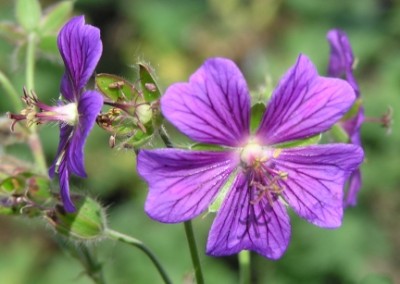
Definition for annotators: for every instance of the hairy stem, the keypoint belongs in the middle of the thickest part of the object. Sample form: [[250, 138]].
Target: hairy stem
[[194, 252], [138, 244]]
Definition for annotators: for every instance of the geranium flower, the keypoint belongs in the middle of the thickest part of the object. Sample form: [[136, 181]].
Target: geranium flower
[[341, 64], [80, 48], [254, 176]]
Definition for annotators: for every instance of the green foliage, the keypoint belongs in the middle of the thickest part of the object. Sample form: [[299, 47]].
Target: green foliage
[[28, 13]]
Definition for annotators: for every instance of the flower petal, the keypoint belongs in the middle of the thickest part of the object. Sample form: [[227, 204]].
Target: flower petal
[[354, 187], [64, 188], [65, 135], [213, 107], [89, 106], [80, 47], [315, 179], [240, 225], [304, 104], [341, 59], [182, 183]]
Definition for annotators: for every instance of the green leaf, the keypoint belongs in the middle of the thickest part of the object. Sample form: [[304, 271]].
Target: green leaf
[[257, 112], [28, 13], [150, 89], [339, 134], [48, 45], [301, 142], [207, 147], [354, 110], [115, 88], [55, 16]]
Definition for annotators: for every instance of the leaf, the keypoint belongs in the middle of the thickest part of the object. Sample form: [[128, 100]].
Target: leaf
[[54, 17], [28, 13], [48, 45], [257, 112], [207, 147], [115, 88], [301, 142], [150, 89]]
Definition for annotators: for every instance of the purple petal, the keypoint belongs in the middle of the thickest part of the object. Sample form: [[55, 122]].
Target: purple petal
[[64, 188], [240, 225], [213, 107], [341, 58], [354, 187], [65, 133], [89, 106], [80, 47], [315, 181], [183, 183], [352, 126], [304, 104]]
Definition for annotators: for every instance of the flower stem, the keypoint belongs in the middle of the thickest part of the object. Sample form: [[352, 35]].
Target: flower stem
[[193, 252], [93, 268], [30, 62], [244, 267], [11, 92], [136, 243]]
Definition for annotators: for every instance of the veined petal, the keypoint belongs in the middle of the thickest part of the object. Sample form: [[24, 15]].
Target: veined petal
[[80, 47], [64, 188], [89, 106], [315, 180], [65, 134], [213, 107], [183, 183], [354, 185], [241, 225], [304, 104], [341, 58]]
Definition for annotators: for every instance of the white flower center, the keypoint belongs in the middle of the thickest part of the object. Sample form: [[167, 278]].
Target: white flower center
[[253, 154]]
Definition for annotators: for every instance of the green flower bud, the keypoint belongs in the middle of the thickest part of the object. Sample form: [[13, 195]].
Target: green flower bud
[[87, 223]]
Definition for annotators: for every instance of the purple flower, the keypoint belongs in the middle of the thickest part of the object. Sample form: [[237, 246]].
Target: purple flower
[[341, 63], [80, 47], [253, 176]]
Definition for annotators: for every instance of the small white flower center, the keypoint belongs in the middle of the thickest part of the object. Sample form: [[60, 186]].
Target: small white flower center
[[69, 112], [253, 154]]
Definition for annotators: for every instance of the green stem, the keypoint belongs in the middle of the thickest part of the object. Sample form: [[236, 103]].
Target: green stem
[[11, 92], [244, 267], [93, 268], [30, 62], [339, 134], [136, 243], [193, 252]]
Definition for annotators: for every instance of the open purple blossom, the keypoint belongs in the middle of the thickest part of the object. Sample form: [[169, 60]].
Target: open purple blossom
[[80, 48], [341, 64], [253, 176]]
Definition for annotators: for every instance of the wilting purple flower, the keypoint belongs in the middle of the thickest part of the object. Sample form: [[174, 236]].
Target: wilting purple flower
[[341, 63], [253, 175], [80, 47]]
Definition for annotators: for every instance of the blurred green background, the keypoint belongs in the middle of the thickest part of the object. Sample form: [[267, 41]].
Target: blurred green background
[[264, 37]]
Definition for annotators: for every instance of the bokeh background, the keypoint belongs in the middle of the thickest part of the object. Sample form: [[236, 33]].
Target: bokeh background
[[264, 37]]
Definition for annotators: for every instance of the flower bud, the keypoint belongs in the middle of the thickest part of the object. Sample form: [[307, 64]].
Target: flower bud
[[87, 223]]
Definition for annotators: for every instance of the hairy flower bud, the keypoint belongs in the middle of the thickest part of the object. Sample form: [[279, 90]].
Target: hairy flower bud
[[87, 223]]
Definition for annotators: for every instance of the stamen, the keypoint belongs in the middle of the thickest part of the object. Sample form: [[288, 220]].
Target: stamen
[[386, 120]]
